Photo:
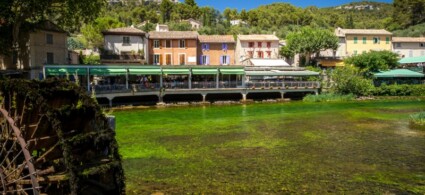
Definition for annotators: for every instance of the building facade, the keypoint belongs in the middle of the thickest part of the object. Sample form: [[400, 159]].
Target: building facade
[[358, 41], [216, 50], [409, 46], [124, 45], [173, 48], [256, 47]]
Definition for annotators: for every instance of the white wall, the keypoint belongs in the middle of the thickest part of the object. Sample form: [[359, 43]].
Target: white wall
[[409, 49], [115, 44], [242, 48]]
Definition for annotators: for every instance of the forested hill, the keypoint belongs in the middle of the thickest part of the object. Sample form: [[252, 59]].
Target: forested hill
[[280, 18]]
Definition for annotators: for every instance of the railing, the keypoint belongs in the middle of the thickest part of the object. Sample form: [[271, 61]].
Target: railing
[[122, 58], [121, 88]]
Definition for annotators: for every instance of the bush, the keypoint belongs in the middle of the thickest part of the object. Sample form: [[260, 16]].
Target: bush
[[418, 119], [91, 59], [349, 80], [399, 90], [328, 97]]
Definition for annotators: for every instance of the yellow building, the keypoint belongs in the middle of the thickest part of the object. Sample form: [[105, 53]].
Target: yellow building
[[358, 41]]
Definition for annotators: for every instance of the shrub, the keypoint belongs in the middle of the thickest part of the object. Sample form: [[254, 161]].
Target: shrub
[[399, 90], [418, 120], [349, 80], [328, 97]]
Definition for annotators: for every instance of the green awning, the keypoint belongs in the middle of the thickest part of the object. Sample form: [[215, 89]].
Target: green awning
[[238, 71], [412, 60], [108, 71], [282, 73], [145, 71], [204, 71], [399, 73], [65, 71], [176, 71]]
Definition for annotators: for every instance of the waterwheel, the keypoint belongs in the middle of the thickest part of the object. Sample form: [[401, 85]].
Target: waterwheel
[[54, 139]]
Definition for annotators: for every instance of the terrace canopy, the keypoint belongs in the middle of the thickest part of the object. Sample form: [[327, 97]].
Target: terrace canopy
[[108, 71], [204, 71], [413, 60], [55, 71], [145, 71], [399, 73], [282, 73]]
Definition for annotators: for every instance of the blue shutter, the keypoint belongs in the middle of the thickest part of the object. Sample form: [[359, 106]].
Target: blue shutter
[[200, 60], [208, 46], [224, 46], [221, 60]]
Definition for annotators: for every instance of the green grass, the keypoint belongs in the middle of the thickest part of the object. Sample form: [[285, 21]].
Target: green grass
[[418, 119], [309, 148], [328, 97]]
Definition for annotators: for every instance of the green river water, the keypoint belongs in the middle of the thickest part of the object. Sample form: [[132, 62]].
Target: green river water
[[282, 148]]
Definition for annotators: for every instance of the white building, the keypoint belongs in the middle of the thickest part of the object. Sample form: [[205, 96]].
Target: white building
[[124, 45], [194, 23], [409, 46], [256, 47], [161, 28], [236, 22]]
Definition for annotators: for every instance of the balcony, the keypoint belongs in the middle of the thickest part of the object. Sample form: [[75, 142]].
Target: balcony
[[122, 59]]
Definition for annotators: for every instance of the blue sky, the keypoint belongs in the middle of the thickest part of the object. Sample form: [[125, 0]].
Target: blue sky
[[249, 4]]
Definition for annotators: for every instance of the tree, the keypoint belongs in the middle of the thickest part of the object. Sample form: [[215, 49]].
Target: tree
[[374, 61], [166, 7], [230, 14], [408, 12], [349, 80], [244, 15], [93, 31], [17, 16], [308, 41], [349, 22]]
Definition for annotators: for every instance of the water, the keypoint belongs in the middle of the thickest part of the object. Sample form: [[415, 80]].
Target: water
[[356, 147]]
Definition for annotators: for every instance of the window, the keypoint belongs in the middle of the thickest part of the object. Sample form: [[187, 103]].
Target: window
[[156, 44], [376, 40], [182, 44], [50, 58], [355, 40], [126, 40], [260, 54], [251, 44], [422, 53], [156, 58], [182, 59], [224, 60], [387, 40], [422, 45], [167, 59], [398, 45], [250, 54], [410, 53], [167, 43], [364, 40], [260, 44], [269, 54], [49, 39], [269, 44], [205, 60], [224, 46], [205, 46], [355, 52]]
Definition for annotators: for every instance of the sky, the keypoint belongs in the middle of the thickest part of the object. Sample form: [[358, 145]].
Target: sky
[[250, 4]]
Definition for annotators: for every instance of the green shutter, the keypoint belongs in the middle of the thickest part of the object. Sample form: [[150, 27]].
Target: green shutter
[[364, 40], [387, 40], [355, 40]]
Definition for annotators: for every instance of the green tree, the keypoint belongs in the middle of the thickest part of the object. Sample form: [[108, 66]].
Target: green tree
[[230, 14], [349, 22], [308, 41], [349, 80], [374, 61], [244, 15], [166, 9], [93, 31]]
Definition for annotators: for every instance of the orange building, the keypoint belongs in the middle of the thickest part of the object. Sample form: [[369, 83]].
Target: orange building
[[173, 47], [216, 50]]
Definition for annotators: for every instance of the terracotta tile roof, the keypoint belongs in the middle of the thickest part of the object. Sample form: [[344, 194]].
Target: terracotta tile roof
[[409, 39], [343, 32], [173, 35], [216, 39], [258, 38], [123, 31]]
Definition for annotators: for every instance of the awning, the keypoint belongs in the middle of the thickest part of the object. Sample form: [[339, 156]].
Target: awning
[[108, 71], [176, 71], [399, 73], [282, 73], [413, 60], [331, 63], [238, 71], [204, 71], [145, 71], [268, 62], [65, 71]]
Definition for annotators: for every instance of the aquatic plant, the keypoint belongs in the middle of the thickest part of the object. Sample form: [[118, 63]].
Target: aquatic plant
[[418, 119], [328, 97]]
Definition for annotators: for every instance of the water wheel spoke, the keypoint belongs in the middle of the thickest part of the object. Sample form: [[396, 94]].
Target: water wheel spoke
[[8, 152], [43, 157], [21, 178], [35, 126]]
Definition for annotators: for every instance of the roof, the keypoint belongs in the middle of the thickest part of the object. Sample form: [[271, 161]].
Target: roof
[[258, 38], [398, 73], [216, 39], [173, 35], [268, 62], [123, 31], [412, 60], [342, 32], [409, 39]]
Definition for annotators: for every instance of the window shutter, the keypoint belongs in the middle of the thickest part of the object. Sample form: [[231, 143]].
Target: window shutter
[[221, 60], [160, 59], [185, 44], [160, 44], [208, 60], [224, 46], [228, 59], [200, 60], [208, 46]]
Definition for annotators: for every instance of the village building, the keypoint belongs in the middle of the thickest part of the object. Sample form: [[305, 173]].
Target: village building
[[250, 47], [124, 45], [216, 50], [173, 47], [194, 23], [409, 46]]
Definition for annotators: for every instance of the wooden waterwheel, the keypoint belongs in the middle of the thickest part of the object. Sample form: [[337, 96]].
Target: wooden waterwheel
[[54, 139]]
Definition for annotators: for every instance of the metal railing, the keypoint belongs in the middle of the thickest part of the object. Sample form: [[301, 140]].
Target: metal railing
[[176, 85], [121, 57], [283, 84], [204, 85], [144, 87], [116, 88]]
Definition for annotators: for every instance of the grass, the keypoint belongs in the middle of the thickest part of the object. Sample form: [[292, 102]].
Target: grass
[[328, 97], [308, 148], [418, 119]]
